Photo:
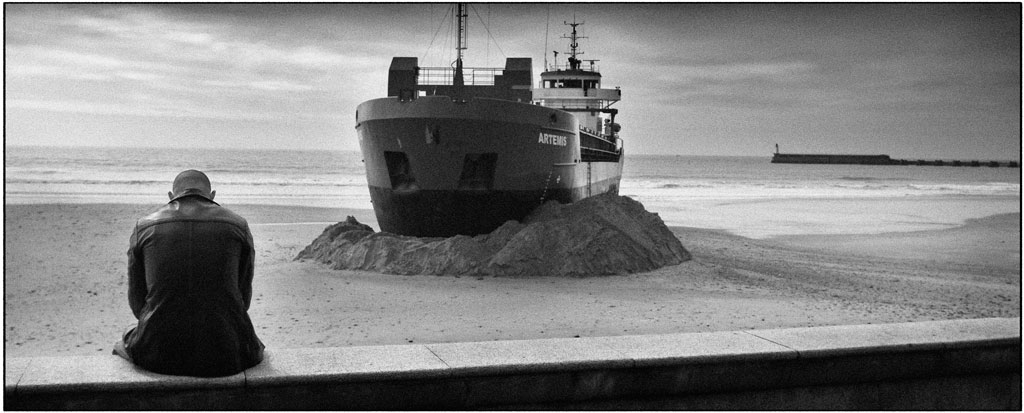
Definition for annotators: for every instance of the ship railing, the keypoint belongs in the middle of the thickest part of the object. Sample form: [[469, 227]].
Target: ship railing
[[593, 105], [584, 66], [577, 95], [598, 155], [443, 76], [590, 140]]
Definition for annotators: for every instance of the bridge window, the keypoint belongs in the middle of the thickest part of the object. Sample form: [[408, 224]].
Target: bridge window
[[568, 83]]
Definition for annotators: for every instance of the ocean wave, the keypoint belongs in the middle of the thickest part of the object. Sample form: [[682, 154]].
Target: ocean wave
[[294, 175], [646, 184], [357, 201], [870, 179], [136, 182], [821, 189], [81, 181], [990, 187]]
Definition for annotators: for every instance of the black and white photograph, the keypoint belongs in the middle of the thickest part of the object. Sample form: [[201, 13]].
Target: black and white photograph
[[512, 206]]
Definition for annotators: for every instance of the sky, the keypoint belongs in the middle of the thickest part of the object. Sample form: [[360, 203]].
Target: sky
[[909, 80]]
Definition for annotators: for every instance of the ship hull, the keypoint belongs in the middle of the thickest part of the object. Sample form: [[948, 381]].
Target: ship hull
[[436, 167]]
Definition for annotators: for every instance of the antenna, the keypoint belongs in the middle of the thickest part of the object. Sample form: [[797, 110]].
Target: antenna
[[457, 79], [547, 23], [463, 32], [574, 63]]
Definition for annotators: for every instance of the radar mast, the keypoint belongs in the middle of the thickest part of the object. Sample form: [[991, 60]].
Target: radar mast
[[574, 63], [462, 44]]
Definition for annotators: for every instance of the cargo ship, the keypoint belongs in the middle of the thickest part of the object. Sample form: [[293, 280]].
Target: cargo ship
[[461, 150]]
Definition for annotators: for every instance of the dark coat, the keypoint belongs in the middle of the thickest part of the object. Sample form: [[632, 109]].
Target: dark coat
[[190, 270]]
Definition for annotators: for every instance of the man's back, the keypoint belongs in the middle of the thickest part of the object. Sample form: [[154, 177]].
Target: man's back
[[190, 283]]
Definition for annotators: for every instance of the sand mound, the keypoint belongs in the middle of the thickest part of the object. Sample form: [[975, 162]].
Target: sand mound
[[601, 235]]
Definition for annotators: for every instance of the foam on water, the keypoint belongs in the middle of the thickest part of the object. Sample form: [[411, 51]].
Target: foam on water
[[746, 195]]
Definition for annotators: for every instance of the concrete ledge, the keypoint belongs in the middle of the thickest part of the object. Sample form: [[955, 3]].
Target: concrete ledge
[[962, 364]]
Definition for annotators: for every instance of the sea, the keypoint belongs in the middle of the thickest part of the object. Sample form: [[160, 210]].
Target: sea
[[745, 195]]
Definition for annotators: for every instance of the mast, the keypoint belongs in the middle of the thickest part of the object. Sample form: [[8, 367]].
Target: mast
[[462, 43], [574, 63]]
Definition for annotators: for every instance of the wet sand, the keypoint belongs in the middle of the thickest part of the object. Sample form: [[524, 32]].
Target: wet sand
[[65, 285]]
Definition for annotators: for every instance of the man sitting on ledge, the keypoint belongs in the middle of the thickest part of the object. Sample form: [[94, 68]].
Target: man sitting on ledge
[[190, 271]]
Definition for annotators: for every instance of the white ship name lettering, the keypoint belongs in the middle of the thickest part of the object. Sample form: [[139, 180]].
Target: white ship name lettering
[[550, 139]]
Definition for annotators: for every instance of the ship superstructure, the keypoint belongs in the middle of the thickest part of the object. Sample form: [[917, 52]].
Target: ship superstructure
[[461, 150], [576, 89]]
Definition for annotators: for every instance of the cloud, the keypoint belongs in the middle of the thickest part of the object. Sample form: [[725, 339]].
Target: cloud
[[20, 70], [699, 67], [142, 62], [130, 109], [280, 85], [770, 85], [736, 72], [86, 107], [86, 60], [18, 56], [190, 38], [140, 76]]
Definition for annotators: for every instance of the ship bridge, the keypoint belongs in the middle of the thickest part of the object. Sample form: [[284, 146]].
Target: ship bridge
[[571, 89]]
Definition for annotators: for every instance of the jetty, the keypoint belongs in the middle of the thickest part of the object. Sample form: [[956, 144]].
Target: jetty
[[838, 159]]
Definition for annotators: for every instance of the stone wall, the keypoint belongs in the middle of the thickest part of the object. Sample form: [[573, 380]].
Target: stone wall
[[943, 365]]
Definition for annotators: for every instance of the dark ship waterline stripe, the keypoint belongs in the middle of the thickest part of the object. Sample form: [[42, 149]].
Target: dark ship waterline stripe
[[442, 213]]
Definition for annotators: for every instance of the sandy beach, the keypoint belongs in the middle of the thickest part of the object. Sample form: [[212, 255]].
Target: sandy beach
[[65, 285]]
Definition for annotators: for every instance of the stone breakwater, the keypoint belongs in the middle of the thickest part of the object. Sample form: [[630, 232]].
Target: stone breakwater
[[879, 160], [601, 235]]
